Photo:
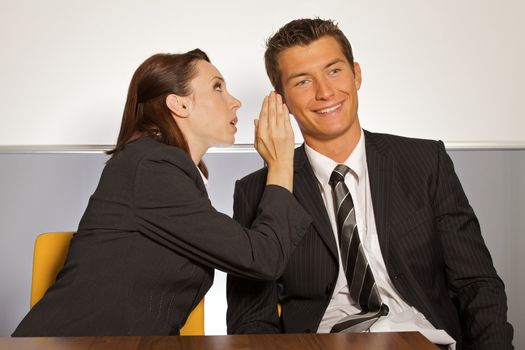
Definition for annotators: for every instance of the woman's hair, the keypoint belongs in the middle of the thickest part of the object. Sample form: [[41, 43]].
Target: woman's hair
[[146, 112]]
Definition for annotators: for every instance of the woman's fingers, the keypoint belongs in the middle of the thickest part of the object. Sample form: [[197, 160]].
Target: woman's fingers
[[275, 141], [274, 138], [286, 120], [279, 109], [263, 116], [255, 133], [272, 109]]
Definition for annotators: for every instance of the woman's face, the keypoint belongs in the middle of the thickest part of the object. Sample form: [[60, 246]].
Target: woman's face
[[213, 113]]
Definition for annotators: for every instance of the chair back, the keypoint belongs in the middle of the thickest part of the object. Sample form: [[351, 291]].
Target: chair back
[[195, 323], [48, 258]]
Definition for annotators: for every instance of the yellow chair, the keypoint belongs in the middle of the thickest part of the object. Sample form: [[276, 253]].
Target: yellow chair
[[195, 323], [49, 256]]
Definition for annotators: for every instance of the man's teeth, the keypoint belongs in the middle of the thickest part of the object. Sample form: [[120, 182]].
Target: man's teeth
[[328, 110]]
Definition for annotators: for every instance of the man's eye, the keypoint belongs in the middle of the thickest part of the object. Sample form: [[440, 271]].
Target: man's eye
[[335, 71], [301, 82]]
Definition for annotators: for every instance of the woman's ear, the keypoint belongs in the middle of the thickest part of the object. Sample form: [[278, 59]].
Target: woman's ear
[[179, 105]]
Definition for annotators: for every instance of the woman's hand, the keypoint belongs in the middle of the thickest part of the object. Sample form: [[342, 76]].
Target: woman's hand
[[274, 140]]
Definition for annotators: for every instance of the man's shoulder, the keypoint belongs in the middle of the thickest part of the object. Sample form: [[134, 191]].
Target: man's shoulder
[[414, 158], [255, 178], [398, 139], [401, 144], [258, 177]]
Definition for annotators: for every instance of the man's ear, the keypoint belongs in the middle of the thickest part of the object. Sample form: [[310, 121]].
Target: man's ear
[[179, 105], [357, 75]]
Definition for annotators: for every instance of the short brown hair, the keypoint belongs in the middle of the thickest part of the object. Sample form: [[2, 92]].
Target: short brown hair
[[301, 32], [145, 113]]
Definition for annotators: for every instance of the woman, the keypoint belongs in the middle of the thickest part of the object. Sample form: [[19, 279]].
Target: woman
[[146, 247]]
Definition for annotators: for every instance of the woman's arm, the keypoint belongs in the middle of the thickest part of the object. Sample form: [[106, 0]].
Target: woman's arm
[[170, 209]]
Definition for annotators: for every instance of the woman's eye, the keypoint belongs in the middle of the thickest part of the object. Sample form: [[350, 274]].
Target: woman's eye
[[217, 87]]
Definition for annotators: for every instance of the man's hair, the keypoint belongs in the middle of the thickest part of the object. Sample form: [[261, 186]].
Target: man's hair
[[301, 32]]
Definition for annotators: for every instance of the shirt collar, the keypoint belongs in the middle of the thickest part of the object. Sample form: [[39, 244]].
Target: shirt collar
[[323, 166]]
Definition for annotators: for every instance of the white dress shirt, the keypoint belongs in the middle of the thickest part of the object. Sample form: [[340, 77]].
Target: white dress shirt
[[401, 316]]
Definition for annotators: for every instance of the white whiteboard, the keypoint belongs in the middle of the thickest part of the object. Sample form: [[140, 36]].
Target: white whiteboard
[[449, 69]]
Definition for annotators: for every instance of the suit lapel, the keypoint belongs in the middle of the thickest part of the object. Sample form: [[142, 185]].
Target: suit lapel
[[307, 192], [380, 172]]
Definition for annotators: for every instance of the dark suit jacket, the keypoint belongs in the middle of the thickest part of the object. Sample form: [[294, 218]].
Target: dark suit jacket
[[147, 244], [429, 238]]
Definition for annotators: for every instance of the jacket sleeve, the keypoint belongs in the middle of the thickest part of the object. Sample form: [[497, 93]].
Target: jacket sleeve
[[170, 209], [252, 304], [472, 279]]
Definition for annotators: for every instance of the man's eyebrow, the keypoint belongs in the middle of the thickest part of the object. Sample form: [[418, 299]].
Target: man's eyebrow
[[331, 63], [295, 75], [337, 60]]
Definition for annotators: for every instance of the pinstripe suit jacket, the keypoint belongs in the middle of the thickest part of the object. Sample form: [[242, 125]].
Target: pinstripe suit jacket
[[429, 238]]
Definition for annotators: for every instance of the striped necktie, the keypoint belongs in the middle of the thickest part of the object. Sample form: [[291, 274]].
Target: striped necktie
[[363, 289]]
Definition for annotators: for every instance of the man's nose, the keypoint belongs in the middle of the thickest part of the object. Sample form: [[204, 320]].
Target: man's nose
[[324, 90]]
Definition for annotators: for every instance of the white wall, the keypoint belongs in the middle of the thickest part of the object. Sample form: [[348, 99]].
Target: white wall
[[449, 69]]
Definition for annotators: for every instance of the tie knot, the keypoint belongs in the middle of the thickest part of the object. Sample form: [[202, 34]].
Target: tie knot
[[338, 175]]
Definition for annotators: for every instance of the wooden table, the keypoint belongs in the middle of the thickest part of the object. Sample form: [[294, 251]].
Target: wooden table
[[348, 341]]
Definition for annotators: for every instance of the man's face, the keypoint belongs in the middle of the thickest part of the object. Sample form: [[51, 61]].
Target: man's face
[[320, 90]]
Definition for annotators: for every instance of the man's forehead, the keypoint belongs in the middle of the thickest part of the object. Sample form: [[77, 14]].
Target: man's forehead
[[316, 55]]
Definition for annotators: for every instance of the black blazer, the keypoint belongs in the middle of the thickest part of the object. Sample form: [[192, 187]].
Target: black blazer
[[147, 244], [429, 238]]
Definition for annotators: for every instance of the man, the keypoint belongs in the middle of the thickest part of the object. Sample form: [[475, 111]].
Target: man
[[394, 243]]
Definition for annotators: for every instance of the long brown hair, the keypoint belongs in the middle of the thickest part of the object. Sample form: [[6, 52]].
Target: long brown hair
[[145, 112]]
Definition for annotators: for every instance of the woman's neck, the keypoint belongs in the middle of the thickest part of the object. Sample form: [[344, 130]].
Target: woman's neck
[[197, 151]]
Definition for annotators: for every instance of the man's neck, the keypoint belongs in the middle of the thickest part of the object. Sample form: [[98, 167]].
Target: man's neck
[[338, 149]]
